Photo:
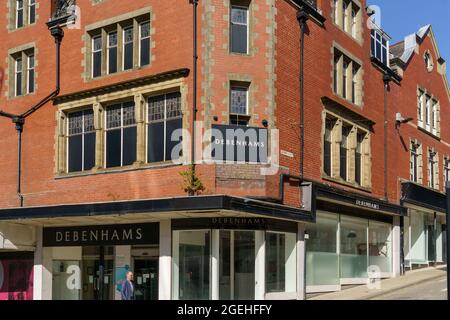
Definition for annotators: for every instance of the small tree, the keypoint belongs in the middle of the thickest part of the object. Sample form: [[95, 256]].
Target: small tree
[[192, 183]]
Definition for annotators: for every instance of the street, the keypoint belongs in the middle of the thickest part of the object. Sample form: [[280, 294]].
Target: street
[[435, 289]]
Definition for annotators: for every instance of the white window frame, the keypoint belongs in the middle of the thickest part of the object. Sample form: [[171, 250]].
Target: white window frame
[[447, 169], [373, 35], [420, 109], [109, 47], [414, 166], [17, 13], [29, 70], [141, 38], [18, 62], [125, 43], [31, 3], [427, 112], [247, 24], [432, 161], [93, 51]]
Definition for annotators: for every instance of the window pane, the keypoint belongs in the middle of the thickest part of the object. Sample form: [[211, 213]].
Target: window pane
[[171, 126], [145, 52], [353, 247], [191, 269], [19, 18], [19, 77], [30, 81], [129, 145], [173, 105], [380, 247], [75, 153], [112, 60], [129, 118], [89, 151], [113, 148], [114, 116], [155, 142], [239, 38], [128, 57], [128, 49], [32, 12], [322, 261], [156, 108], [238, 100], [96, 56]]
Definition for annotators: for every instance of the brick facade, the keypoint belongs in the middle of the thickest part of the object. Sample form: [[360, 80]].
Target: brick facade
[[272, 68]]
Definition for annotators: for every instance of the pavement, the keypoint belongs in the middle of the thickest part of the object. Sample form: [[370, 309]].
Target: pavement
[[429, 283]]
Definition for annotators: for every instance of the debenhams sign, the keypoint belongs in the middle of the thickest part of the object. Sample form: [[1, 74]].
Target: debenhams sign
[[129, 234]]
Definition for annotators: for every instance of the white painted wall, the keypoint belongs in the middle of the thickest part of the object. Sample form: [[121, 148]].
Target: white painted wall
[[301, 285], [165, 260], [260, 265], [42, 272], [396, 247]]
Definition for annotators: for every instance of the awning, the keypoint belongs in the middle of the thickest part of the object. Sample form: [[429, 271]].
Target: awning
[[159, 208], [423, 197]]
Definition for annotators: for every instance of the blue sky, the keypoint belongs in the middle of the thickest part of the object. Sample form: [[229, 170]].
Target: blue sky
[[400, 18]]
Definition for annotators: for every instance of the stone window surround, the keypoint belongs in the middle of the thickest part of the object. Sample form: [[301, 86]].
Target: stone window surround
[[419, 159], [11, 15], [366, 161], [98, 104], [436, 174], [117, 23], [359, 19], [359, 96], [241, 80], [252, 7], [436, 132], [428, 54], [24, 50]]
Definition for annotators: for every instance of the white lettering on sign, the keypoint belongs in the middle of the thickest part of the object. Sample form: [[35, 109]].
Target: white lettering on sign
[[367, 204]]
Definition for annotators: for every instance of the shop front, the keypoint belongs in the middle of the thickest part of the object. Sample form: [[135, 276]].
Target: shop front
[[355, 240], [234, 258], [212, 247], [90, 262], [424, 227]]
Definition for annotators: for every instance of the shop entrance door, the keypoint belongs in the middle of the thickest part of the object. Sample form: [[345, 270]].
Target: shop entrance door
[[98, 266], [146, 278], [237, 265]]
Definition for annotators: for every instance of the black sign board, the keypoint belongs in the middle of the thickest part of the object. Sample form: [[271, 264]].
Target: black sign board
[[239, 144], [120, 234]]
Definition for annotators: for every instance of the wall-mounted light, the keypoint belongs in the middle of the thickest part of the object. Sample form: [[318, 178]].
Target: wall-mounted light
[[265, 123], [399, 119]]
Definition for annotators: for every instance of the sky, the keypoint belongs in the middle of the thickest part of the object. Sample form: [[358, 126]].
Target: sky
[[400, 18]]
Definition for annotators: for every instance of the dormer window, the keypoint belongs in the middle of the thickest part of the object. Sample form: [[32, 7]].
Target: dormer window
[[380, 45]]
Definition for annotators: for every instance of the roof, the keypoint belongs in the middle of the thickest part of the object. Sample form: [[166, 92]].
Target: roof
[[402, 52]]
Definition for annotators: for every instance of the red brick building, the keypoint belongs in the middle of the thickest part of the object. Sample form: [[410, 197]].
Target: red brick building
[[301, 81]]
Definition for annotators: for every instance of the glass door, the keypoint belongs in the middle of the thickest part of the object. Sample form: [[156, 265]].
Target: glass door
[[191, 265], [237, 265], [97, 270], [146, 278]]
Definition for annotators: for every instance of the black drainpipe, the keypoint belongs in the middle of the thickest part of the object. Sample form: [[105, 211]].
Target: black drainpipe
[[194, 104], [19, 120], [302, 17]]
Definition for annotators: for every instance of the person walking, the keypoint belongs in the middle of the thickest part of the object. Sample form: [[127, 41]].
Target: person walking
[[127, 291]]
